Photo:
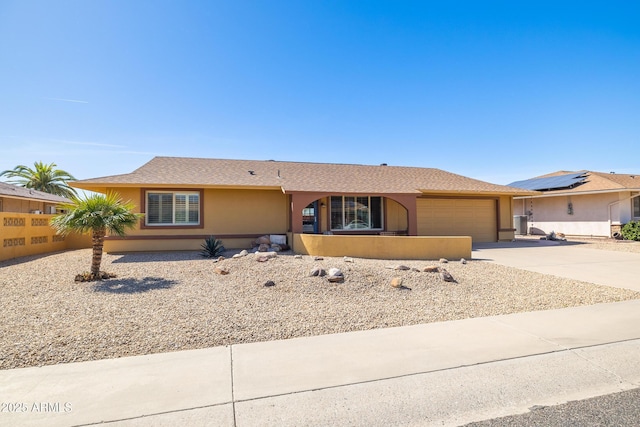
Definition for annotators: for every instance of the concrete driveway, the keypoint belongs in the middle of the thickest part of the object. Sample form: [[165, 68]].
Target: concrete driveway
[[566, 259]]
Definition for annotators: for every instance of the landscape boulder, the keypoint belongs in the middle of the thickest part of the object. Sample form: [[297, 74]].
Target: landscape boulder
[[446, 276], [335, 275], [317, 271]]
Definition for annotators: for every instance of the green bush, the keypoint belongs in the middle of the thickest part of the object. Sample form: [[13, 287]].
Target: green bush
[[631, 230], [212, 248]]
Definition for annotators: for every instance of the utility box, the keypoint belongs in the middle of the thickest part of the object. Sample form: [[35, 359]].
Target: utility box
[[520, 223]]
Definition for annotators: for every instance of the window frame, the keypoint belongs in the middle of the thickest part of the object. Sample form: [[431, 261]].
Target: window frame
[[144, 224], [345, 214], [635, 201]]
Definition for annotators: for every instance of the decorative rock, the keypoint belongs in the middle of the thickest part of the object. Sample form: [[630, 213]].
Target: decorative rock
[[297, 257], [221, 270], [244, 252], [263, 247], [317, 258], [347, 259], [463, 261], [269, 283], [335, 275], [396, 282], [317, 271], [417, 270], [263, 240], [276, 248], [262, 258], [236, 256], [266, 254], [399, 267], [444, 260], [446, 276], [430, 269], [221, 258]]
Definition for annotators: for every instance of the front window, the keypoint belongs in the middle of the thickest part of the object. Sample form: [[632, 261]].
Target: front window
[[167, 208], [356, 213], [636, 207]]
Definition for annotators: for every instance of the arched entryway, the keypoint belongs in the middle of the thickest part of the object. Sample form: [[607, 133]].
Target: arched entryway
[[312, 213]]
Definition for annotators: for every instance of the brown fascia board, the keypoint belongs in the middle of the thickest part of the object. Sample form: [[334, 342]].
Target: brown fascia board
[[102, 187], [481, 192], [35, 199], [578, 193]]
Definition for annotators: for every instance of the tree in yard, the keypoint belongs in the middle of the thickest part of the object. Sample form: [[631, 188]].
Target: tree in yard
[[43, 178], [96, 214]]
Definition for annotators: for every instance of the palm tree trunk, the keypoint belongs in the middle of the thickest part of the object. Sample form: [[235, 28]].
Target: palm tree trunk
[[97, 241]]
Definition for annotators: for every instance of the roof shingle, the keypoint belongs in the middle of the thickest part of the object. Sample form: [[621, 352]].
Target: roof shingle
[[598, 182], [15, 191], [295, 177]]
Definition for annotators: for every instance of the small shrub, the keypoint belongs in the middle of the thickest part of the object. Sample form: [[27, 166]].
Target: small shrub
[[631, 230], [212, 248]]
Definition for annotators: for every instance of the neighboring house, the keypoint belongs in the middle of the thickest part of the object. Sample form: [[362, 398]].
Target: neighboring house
[[187, 199], [24, 223], [14, 198], [582, 203]]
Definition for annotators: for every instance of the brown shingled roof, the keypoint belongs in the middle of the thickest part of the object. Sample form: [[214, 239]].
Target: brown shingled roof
[[17, 192], [295, 176], [598, 182]]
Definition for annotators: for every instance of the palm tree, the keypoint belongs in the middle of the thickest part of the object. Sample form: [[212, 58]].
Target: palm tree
[[43, 178], [96, 214]]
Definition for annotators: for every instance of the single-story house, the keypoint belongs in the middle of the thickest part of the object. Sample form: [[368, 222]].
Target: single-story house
[[188, 199], [14, 198], [582, 203]]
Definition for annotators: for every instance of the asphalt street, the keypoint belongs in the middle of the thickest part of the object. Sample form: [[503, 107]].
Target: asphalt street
[[617, 409]]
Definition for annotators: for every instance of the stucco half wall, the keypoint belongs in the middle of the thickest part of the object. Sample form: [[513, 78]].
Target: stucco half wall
[[383, 247]]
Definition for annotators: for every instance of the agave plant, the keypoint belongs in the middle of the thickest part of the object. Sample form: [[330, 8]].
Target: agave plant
[[212, 248]]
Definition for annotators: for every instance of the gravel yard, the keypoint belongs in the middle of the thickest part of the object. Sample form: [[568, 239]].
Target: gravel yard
[[163, 302], [610, 244]]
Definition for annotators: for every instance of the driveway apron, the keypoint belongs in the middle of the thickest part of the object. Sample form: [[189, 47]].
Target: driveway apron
[[565, 259]]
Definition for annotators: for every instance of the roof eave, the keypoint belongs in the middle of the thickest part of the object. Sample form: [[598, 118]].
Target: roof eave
[[579, 193]]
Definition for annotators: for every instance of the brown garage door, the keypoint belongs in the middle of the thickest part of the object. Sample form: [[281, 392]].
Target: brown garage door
[[458, 217]]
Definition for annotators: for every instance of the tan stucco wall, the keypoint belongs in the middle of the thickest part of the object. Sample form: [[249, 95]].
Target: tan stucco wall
[[192, 244], [383, 247], [234, 216], [505, 218], [10, 204], [30, 234], [395, 215], [246, 212]]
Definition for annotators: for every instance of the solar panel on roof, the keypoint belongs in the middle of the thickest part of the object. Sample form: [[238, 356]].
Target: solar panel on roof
[[552, 182]]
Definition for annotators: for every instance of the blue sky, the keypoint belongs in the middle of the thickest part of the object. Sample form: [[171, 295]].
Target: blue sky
[[498, 91]]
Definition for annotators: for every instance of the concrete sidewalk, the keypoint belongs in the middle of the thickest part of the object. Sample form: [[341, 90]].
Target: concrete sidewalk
[[447, 373]]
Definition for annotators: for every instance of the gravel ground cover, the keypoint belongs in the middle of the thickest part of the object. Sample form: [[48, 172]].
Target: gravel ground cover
[[162, 302], [611, 244]]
